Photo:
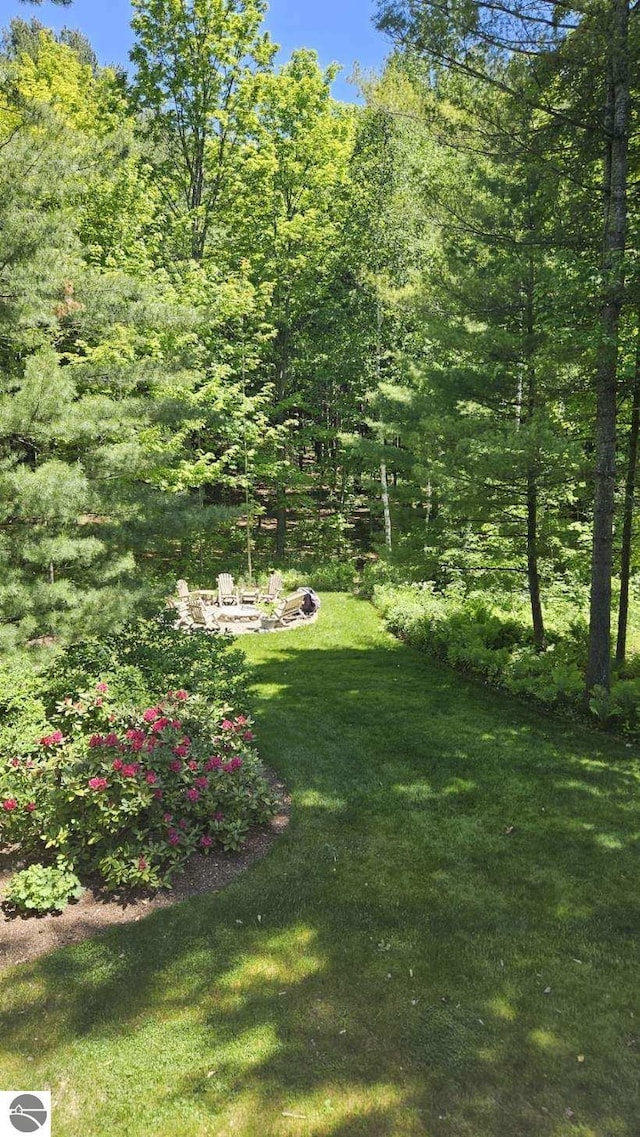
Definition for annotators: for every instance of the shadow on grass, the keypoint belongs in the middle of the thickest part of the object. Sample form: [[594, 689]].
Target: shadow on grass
[[444, 940]]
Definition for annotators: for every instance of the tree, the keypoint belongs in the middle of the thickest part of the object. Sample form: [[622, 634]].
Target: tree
[[295, 173], [479, 40], [195, 66]]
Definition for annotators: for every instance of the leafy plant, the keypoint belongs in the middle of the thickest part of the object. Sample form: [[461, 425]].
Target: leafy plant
[[131, 795], [44, 888]]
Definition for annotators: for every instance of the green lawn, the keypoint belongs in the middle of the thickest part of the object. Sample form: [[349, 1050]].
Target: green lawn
[[398, 965]]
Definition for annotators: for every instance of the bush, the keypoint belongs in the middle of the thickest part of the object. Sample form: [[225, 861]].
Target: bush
[[22, 706], [330, 576], [471, 633], [148, 657], [129, 796], [43, 888]]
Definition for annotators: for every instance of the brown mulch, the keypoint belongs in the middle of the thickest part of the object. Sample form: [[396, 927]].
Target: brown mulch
[[23, 938]]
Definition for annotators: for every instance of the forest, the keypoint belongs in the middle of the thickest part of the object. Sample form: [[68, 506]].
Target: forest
[[391, 345]]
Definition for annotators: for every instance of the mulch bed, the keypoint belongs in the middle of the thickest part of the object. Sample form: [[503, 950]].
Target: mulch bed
[[23, 938]]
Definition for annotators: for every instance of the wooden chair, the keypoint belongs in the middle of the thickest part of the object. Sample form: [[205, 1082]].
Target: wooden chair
[[184, 592], [290, 608], [274, 587], [227, 592], [201, 616]]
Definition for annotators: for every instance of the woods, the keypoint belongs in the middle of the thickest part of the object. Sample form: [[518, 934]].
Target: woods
[[399, 336]]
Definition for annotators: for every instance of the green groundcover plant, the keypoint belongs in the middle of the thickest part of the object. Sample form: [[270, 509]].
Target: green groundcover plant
[[472, 633], [129, 796], [44, 888]]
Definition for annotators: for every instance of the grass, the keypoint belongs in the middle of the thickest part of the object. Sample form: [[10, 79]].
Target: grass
[[399, 964]]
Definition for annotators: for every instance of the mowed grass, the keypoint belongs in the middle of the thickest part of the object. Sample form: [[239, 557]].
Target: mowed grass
[[399, 964]]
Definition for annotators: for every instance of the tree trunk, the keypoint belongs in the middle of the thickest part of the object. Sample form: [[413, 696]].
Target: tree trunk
[[533, 574], [533, 571], [385, 505], [627, 522], [282, 382], [614, 232]]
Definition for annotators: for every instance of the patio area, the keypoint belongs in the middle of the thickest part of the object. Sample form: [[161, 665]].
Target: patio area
[[239, 610]]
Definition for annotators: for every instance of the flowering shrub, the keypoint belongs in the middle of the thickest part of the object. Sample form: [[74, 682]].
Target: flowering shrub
[[131, 796]]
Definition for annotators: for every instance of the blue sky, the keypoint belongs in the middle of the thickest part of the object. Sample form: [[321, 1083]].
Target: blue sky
[[339, 30]]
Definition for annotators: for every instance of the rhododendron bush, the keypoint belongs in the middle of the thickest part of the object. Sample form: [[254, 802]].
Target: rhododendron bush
[[129, 796]]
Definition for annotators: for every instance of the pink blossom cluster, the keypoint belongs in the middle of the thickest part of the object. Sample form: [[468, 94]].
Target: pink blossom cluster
[[53, 739], [236, 726]]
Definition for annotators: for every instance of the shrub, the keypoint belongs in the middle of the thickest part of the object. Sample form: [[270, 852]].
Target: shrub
[[43, 888], [129, 796], [471, 633], [150, 656], [329, 576], [22, 706]]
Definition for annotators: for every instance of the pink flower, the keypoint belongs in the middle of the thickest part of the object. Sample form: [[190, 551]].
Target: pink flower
[[175, 766], [102, 688], [159, 725], [150, 715], [99, 701], [206, 841], [193, 795], [183, 823], [130, 770], [173, 837], [142, 864], [213, 763], [248, 736], [9, 803], [111, 740], [158, 793], [226, 724], [241, 720], [182, 696], [202, 783], [228, 767], [151, 744], [168, 818], [30, 806], [137, 739], [151, 777], [15, 761], [218, 816], [192, 765], [117, 764], [98, 783], [52, 739], [176, 724], [96, 740], [181, 750]]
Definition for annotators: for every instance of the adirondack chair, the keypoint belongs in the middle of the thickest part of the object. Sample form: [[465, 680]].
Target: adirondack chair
[[274, 587], [202, 617], [290, 608], [183, 589], [227, 592]]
